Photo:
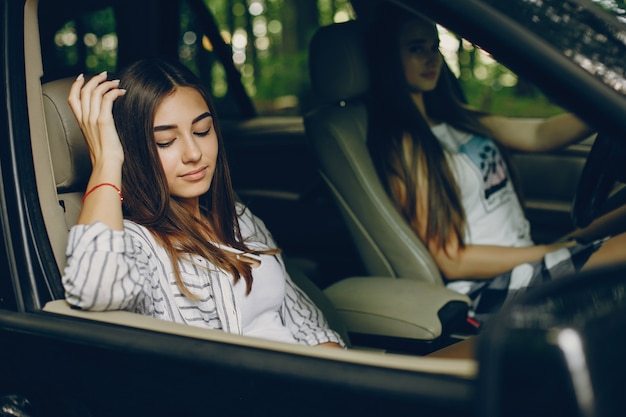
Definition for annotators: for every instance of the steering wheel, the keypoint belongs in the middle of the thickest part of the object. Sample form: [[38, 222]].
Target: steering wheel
[[606, 164]]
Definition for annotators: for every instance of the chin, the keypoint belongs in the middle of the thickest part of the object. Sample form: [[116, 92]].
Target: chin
[[427, 87], [193, 192]]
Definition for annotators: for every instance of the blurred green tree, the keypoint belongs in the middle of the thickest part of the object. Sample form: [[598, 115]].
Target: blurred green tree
[[266, 39]]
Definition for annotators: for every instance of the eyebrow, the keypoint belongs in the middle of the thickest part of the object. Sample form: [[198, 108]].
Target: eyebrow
[[194, 121]]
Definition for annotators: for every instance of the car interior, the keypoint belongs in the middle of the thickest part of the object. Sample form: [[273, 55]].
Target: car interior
[[367, 305], [379, 312], [392, 318], [399, 304], [393, 254]]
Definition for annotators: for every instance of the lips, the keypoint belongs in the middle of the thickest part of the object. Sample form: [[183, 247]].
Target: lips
[[195, 175]]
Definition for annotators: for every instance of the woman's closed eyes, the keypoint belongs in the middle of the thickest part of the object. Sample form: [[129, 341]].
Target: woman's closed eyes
[[207, 127]]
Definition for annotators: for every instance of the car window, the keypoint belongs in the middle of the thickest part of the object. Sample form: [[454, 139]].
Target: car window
[[591, 36], [269, 41], [268, 38], [86, 42], [489, 85]]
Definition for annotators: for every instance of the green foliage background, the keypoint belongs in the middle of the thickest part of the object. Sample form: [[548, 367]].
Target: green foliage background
[[276, 76]]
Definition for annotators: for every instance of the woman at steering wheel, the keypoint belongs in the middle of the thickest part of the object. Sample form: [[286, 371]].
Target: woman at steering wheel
[[441, 163]]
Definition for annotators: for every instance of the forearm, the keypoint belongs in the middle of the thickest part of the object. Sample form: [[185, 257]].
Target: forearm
[[104, 203], [92, 104], [537, 135], [484, 262], [562, 130], [610, 224]]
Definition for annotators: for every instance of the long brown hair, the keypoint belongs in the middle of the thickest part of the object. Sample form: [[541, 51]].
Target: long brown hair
[[394, 118], [147, 199]]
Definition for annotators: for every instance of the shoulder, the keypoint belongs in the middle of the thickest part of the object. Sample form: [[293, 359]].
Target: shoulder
[[451, 137]]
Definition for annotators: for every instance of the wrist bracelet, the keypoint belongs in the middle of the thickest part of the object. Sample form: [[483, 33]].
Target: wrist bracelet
[[107, 184]]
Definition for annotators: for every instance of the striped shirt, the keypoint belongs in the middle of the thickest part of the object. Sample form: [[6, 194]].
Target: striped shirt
[[128, 270]]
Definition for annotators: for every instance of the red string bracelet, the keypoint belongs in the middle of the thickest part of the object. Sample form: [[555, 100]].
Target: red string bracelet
[[107, 184]]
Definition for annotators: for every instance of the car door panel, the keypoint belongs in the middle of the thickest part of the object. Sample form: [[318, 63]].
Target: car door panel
[[105, 370], [548, 183]]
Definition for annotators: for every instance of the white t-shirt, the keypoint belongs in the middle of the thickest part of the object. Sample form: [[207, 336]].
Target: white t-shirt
[[494, 213]]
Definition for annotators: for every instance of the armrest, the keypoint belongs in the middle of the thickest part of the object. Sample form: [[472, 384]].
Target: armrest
[[393, 307]]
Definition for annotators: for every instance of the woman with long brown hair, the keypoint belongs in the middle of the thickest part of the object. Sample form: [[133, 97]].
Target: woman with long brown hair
[[160, 232], [442, 164]]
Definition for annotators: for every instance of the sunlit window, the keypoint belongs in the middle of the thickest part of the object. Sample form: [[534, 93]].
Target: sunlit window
[[97, 46], [268, 41], [489, 85]]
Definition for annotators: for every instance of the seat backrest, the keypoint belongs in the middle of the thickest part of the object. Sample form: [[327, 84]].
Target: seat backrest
[[337, 130], [68, 150]]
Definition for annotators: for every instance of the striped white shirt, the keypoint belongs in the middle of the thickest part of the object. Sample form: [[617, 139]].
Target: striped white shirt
[[128, 270]]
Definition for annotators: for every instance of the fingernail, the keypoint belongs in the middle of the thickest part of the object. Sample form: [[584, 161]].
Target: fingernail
[[103, 73], [115, 81], [80, 77]]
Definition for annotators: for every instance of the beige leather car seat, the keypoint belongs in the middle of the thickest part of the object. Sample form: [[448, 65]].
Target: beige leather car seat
[[337, 130], [70, 156]]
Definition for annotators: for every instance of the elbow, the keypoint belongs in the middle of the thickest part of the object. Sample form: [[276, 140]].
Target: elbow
[[79, 302], [84, 301], [452, 273], [449, 259], [90, 298], [450, 269]]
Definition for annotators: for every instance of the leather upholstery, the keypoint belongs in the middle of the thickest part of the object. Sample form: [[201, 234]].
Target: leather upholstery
[[70, 157]]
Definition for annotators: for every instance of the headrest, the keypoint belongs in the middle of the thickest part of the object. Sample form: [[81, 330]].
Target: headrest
[[69, 152], [338, 62]]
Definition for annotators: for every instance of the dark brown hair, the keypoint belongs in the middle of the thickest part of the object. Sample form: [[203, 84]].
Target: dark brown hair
[[393, 117], [147, 199]]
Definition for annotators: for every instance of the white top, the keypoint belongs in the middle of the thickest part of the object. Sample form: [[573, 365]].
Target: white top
[[492, 208], [128, 270], [494, 213], [259, 309]]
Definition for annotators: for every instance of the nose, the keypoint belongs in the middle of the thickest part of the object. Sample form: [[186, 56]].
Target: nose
[[434, 55], [434, 59], [191, 152]]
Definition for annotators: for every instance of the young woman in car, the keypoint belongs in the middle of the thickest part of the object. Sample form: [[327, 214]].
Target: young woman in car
[[160, 232], [441, 164]]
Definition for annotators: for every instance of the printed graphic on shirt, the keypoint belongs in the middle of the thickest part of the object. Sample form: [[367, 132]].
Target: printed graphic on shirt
[[487, 158]]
